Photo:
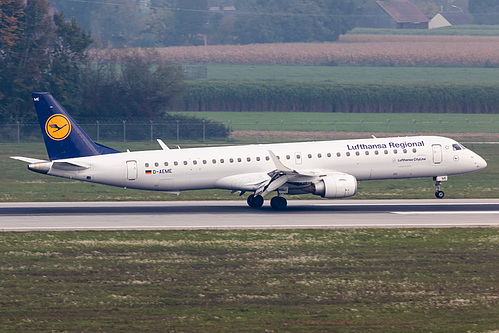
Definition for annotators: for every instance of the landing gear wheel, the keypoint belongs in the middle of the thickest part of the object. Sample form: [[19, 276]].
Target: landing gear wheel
[[278, 203], [255, 201], [439, 194]]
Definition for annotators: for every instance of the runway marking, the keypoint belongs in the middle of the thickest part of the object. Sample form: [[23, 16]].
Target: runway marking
[[447, 213], [242, 227]]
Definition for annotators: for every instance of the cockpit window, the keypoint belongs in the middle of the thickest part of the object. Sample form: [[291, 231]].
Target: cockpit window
[[455, 146]]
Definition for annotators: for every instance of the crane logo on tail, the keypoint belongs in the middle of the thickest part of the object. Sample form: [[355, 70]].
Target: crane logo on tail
[[58, 127]]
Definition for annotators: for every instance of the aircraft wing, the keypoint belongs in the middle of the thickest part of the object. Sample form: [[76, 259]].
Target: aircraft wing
[[264, 183]]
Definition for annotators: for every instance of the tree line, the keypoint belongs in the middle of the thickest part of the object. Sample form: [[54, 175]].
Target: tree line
[[150, 23], [41, 52]]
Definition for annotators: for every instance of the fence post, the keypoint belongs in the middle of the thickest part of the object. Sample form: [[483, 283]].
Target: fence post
[[178, 130], [124, 130], [204, 130], [18, 131], [257, 131], [98, 130], [152, 128]]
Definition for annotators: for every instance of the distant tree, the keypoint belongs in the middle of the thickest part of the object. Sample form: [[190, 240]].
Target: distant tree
[[484, 11], [45, 57], [190, 18], [293, 20], [11, 14], [29, 61], [428, 8], [68, 54], [135, 85], [159, 27]]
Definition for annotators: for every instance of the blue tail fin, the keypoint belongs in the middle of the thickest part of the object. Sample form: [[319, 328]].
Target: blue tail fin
[[63, 137]]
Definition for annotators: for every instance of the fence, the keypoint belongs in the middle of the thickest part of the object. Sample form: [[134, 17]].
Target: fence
[[201, 131]]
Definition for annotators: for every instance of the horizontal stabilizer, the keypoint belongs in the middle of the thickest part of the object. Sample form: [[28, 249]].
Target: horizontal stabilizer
[[27, 159]]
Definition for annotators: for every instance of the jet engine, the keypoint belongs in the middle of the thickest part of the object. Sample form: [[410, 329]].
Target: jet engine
[[336, 185]]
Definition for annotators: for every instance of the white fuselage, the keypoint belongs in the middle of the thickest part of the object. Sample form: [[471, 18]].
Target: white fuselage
[[241, 167]]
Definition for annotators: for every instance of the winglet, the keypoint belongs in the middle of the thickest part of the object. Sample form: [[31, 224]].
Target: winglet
[[64, 138], [162, 144], [278, 164]]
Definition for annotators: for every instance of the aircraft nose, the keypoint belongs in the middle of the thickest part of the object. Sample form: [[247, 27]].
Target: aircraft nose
[[480, 162]]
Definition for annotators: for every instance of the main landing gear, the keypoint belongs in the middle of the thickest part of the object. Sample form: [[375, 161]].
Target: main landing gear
[[255, 201], [438, 181], [277, 203]]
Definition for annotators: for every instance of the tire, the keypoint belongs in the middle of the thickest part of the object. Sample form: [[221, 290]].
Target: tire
[[440, 194], [255, 202], [278, 203]]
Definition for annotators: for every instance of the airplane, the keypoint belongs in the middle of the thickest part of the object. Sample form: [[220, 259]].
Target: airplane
[[329, 169]]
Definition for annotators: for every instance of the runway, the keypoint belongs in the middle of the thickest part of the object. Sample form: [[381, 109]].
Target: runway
[[197, 215]]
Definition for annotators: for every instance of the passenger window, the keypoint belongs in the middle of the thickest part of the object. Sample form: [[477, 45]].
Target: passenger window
[[165, 164], [328, 154], [367, 152], [175, 163], [222, 160], [386, 152], [214, 161], [194, 162], [414, 150], [348, 153], [156, 164], [239, 159], [248, 159], [147, 165], [319, 155], [258, 159], [395, 151], [185, 162], [267, 158], [288, 157], [405, 151], [309, 155], [231, 160], [357, 153], [204, 162], [376, 152], [338, 154]]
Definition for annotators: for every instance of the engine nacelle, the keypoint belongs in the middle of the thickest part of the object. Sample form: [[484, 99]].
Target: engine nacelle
[[336, 185]]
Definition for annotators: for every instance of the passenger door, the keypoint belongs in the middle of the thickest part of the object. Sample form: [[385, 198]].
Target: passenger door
[[437, 154], [131, 170]]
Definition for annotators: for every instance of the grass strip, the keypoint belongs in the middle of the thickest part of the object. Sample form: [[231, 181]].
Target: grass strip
[[380, 280]]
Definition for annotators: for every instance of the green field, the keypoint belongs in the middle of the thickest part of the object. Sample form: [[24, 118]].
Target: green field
[[19, 184], [387, 123], [377, 280], [347, 74]]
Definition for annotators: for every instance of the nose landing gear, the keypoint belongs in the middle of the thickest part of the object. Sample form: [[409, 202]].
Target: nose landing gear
[[438, 181]]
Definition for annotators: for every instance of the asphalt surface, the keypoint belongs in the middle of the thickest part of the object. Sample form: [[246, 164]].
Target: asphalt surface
[[191, 215]]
